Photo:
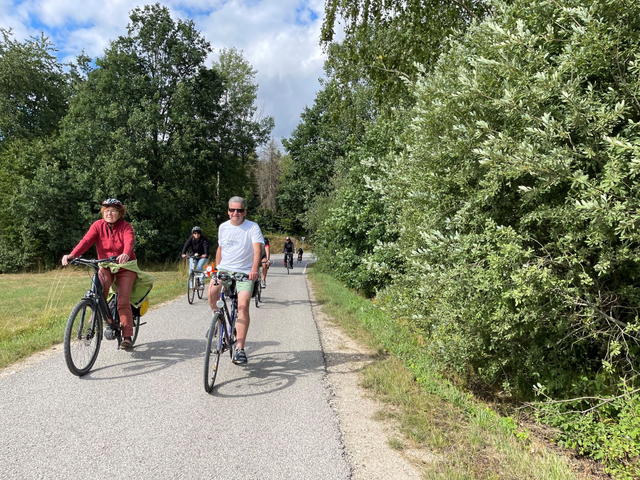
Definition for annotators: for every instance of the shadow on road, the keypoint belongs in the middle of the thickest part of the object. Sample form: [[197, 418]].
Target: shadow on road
[[149, 357], [269, 372]]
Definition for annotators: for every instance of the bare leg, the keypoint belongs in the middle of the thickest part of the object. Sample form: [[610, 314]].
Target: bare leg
[[242, 324]]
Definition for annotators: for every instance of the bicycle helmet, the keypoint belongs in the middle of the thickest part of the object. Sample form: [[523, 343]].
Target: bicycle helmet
[[112, 202], [288, 238], [196, 229]]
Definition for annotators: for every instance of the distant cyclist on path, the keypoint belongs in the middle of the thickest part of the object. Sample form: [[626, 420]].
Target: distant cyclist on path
[[289, 249], [240, 244]]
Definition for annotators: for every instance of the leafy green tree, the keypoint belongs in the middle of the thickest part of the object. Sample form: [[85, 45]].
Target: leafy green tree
[[244, 127], [384, 40], [34, 95], [145, 127]]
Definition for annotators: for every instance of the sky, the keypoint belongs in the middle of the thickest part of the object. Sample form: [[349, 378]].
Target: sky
[[279, 38]]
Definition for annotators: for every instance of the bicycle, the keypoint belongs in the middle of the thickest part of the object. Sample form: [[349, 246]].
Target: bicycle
[[258, 287], [288, 260], [222, 332], [83, 333], [195, 283]]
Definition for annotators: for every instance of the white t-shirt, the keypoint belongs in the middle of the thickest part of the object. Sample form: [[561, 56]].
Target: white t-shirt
[[237, 245]]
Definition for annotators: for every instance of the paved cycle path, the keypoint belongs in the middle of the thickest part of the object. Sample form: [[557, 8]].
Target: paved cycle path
[[145, 414]]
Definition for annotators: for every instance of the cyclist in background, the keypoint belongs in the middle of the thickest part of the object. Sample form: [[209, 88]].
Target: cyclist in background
[[289, 249], [239, 251], [199, 244], [266, 259]]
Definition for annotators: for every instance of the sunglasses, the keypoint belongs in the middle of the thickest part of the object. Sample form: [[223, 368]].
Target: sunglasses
[[239, 210]]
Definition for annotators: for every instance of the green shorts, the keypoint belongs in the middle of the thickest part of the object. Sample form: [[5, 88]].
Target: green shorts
[[241, 286]]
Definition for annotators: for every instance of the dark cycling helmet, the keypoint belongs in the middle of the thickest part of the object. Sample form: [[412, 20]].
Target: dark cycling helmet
[[288, 238], [196, 229], [112, 202]]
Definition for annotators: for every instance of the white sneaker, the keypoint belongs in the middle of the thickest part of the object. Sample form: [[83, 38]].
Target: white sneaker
[[264, 284]]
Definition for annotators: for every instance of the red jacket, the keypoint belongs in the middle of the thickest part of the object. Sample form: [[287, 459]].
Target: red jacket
[[109, 240]]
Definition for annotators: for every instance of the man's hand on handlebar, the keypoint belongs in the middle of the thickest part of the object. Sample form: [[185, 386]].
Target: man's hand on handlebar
[[65, 259], [253, 275]]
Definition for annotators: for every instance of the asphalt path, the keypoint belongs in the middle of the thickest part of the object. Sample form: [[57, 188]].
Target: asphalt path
[[145, 414]]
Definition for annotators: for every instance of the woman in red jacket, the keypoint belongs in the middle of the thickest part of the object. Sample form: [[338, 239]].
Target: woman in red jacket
[[113, 237]]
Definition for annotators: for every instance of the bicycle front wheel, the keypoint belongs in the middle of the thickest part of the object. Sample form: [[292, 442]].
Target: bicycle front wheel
[[191, 288], [259, 293], [213, 351], [82, 337], [200, 281]]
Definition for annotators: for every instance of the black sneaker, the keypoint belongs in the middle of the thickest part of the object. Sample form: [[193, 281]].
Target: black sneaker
[[240, 357]]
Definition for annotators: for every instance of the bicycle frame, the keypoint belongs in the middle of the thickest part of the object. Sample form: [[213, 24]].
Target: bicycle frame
[[96, 295], [229, 317]]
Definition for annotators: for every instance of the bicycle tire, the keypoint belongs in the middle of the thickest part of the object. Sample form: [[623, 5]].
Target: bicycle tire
[[257, 287], [136, 328], [213, 351], [200, 288], [191, 289], [259, 293], [81, 338]]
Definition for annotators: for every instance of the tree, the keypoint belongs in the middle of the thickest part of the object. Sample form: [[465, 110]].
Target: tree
[[244, 127], [34, 94], [146, 127], [269, 176], [384, 40]]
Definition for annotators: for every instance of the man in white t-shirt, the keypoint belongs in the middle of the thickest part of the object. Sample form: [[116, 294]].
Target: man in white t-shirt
[[239, 251]]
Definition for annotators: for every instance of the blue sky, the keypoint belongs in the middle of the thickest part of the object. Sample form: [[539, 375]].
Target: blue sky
[[280, 38]]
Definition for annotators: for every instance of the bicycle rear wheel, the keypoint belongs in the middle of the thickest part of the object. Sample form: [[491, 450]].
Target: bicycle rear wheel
[[191, 288], [136, 328], [82, 337], [213, 351], [259, 292]]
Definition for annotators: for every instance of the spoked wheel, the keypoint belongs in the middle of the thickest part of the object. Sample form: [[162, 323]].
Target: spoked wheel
[[191, 287], [200, 281], [259, 292], [213, 351], [136, 328], [82, 338], [287, 262], [257, 295]]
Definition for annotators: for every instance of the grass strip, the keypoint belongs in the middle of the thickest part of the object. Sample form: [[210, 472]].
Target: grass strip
[[468, 439], [34, 307]]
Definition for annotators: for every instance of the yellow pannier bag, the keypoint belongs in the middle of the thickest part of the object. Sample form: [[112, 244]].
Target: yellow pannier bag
[[144, 306]]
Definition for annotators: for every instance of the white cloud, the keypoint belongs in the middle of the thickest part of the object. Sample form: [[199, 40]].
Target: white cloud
[[278, 37]]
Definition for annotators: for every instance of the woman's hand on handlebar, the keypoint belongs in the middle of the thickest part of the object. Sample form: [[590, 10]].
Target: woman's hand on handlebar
[[124, 258], [184, 255], [66, 258]]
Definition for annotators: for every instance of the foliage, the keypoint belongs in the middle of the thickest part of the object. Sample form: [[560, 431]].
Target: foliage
[[385, 40], [150, 125], [350, 225]]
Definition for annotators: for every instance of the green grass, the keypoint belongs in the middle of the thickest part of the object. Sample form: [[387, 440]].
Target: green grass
[[34, 307], [467, 437]]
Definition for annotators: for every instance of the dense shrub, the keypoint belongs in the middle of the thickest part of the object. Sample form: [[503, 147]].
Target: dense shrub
[[518, 201]]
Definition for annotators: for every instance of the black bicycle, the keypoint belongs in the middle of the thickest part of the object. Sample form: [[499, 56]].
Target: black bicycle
[[257, 288], [83, 333], [222, 332], [288, 260], [195, 283]]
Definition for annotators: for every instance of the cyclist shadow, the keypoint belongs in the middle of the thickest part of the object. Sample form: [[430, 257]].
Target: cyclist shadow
[[270, 372], [149, 357], [270, 303]]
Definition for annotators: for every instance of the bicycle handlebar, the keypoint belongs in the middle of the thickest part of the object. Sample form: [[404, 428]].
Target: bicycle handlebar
[[91, 263], [238, 277]]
